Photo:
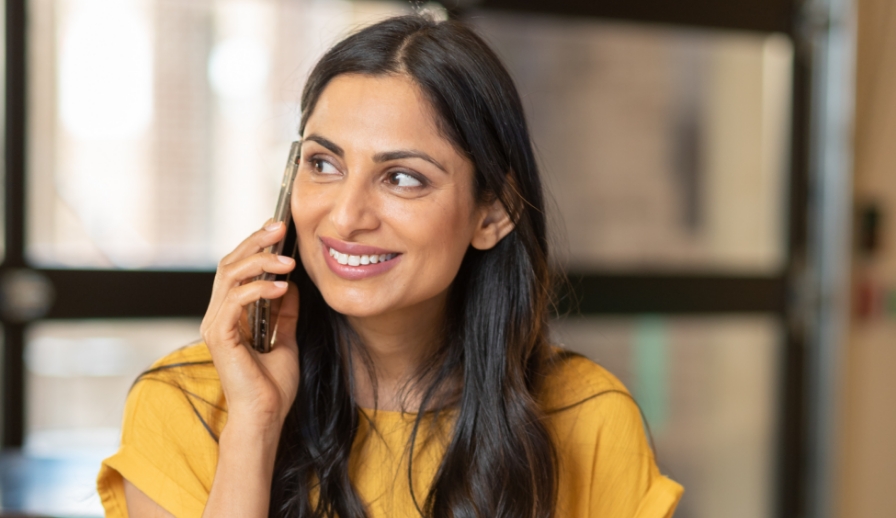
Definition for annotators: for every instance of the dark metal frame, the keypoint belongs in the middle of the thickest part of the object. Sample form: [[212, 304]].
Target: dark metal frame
[[114, 294], [14, 193]]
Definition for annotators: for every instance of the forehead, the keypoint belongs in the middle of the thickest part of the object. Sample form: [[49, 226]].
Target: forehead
[[381, 112]]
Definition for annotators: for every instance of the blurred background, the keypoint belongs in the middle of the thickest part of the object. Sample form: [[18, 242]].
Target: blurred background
[[721, 174]]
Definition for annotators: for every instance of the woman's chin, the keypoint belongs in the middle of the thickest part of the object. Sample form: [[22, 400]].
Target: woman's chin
[[352, 306]]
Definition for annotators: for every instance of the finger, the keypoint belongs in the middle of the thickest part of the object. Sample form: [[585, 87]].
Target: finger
[[224, 327], [268, 235], [240, 272], [286, 315], [262, 238], [247, 269]]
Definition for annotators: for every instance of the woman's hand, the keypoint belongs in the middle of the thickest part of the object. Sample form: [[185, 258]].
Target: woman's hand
[[259, 388]]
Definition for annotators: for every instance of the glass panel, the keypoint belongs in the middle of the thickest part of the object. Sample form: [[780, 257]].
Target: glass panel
[[159, 128], [708, 389], [48, 486], [77, 378], [79, 373], [664, 148]]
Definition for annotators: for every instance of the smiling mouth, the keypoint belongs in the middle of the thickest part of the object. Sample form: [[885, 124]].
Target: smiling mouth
[[360, 260]]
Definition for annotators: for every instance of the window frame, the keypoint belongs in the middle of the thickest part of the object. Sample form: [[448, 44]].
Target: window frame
[[81, 294]]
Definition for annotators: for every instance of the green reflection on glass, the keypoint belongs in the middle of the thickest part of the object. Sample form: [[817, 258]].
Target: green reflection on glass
[[650, 358]]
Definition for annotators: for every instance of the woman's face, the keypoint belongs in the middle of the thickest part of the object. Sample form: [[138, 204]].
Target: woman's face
[[383, 204]]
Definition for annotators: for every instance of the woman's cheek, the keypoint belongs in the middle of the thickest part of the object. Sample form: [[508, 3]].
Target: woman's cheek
[[309, 202]]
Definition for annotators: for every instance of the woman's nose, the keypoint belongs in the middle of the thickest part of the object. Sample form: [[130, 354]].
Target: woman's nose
[[353, 209]]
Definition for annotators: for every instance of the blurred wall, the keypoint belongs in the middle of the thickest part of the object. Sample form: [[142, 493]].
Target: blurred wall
[[868, 474]]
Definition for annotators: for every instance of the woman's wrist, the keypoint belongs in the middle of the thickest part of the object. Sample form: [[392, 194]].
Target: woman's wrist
[[259, 429], [247, 451]]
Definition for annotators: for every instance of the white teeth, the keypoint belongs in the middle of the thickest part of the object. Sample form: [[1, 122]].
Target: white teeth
[[359, 260]]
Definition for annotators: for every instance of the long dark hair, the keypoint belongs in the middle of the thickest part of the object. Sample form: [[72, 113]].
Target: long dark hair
[[500, 460]]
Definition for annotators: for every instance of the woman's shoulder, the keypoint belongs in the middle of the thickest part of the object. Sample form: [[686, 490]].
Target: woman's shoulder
[[189, 368], [173, 416], [607, 466], [195, 353], [572, 379], [185, 376]]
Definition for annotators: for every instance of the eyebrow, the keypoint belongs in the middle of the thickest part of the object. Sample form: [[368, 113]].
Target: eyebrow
[[384, 156], [326, 143], [387, 156]]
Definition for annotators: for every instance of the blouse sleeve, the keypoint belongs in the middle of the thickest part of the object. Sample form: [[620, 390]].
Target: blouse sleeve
[[168, 448], [625, 480]]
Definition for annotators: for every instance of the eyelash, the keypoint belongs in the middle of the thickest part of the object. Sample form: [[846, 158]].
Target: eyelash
[[315, 160]]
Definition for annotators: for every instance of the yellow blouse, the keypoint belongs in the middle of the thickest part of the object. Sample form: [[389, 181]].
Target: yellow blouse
[[606, 467]]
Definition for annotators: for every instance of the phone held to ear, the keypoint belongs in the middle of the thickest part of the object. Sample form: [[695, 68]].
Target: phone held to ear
[[260, 310]]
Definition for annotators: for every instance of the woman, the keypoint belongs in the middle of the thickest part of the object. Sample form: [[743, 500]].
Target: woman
[[416, 378]]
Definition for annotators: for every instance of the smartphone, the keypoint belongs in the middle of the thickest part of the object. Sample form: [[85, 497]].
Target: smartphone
[[260, 311]]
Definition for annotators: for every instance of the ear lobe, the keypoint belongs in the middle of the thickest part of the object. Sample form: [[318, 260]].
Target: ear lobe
[[493, 225]]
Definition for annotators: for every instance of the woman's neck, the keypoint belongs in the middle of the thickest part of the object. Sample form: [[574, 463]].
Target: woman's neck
[[395, 344]]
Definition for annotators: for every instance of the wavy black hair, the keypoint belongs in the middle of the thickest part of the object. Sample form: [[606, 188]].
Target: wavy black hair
[[499, 460]]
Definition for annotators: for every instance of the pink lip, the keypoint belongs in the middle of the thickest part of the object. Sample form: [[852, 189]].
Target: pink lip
[[354, 273]]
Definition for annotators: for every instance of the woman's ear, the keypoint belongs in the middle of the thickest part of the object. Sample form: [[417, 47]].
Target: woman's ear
[[494, 223]]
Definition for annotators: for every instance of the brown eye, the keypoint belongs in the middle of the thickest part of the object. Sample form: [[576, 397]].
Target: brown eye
[[402, 179], [322, 166]]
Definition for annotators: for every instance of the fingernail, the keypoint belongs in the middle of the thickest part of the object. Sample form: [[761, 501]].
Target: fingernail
[[285, 259], [270, 227], [281, 284]]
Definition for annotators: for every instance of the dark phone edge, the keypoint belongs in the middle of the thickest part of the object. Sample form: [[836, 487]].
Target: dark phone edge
[[290, 243]]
